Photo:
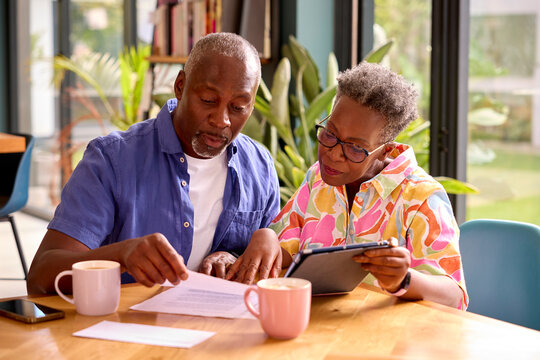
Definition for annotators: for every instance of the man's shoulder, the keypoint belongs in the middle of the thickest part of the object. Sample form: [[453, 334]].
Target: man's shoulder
[[133, 137]]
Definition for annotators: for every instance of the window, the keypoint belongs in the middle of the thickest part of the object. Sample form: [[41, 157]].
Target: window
[[503, 155]]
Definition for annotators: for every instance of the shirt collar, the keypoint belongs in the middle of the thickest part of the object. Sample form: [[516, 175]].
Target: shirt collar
[[403, 163], [168, 139]]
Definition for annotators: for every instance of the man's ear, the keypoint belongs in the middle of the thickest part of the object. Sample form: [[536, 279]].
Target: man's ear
[[179, 84]]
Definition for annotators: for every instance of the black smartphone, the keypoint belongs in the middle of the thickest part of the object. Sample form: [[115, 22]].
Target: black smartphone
[[28, 311]]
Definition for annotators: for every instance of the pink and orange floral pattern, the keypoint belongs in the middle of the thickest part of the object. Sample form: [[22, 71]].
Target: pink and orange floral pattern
[[403, 202]]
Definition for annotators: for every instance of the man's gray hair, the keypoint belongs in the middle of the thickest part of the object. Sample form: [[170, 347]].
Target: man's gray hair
[[383, 91], [227, 44]]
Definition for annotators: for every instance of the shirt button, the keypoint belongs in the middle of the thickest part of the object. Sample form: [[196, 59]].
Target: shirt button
[[184, 183], [186, 224], [182, 160]]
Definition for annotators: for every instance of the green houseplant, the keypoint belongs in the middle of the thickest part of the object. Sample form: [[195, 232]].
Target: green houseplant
[[288, 120]]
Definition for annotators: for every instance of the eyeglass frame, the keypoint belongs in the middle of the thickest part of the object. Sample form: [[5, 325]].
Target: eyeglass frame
[[342, 143]]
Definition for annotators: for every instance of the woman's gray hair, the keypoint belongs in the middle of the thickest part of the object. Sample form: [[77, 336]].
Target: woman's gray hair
[[383, 91], [227, 44]]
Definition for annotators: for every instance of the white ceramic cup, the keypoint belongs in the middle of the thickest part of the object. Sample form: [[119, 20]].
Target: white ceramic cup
[[96, 286]]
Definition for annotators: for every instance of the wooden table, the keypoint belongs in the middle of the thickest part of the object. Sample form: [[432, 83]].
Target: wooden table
[[364, 324], [12, 143]]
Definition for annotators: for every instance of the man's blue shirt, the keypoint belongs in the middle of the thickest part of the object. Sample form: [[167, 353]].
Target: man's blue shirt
[[134, 183]]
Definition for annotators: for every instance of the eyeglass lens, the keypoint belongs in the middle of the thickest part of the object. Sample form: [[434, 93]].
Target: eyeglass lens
[[352, 152]]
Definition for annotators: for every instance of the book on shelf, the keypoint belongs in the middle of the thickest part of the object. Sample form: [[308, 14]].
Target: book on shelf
[[179, 24], [255, 25], [180, 31]]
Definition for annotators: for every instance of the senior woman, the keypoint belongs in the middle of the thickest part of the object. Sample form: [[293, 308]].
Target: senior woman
[[366, 187]]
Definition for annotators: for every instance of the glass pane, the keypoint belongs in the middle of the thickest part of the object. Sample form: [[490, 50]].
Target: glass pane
[[504, 110], [410, 54], [96, 40], [145, 26], [39, 34]]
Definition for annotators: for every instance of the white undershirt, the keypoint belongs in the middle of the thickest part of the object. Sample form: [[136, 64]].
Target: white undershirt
[[206, 188]]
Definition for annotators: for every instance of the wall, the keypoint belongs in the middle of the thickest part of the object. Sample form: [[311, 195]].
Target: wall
[[3, 66], [315, 30]]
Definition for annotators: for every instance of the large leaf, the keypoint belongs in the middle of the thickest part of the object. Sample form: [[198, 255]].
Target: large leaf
[[311, 78], [133, 66], [316, 109], [279, 106], [296, 158], [298, 176], [305, 146], [264, 92], [286, 164], [453, 186], [320, 104], [332, 71], [376, 55]]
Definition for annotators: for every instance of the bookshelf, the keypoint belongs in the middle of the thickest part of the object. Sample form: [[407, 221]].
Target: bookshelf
[[179, 24]]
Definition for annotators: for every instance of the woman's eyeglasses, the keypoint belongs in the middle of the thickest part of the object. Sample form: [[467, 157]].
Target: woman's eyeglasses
[[352, 152]]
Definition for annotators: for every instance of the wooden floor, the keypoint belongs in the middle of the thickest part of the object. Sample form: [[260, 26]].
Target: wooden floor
[[31, 231]]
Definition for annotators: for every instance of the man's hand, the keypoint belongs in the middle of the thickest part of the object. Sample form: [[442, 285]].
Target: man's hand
[[389, 266], [216, 264], [151, 259], [263, 255]]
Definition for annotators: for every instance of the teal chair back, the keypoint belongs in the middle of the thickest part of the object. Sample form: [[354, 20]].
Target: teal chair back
[[15, 179], [14, 184], [501, 262]]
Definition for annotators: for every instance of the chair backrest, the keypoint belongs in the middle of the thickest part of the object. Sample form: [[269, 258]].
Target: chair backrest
[[16, 176], [501, 262]]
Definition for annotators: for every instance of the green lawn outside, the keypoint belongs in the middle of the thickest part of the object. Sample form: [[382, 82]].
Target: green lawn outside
[[509, 186]]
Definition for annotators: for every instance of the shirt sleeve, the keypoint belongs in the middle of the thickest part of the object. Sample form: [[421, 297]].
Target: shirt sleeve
[[289, 223], [432, 239], [273, 203], [87, 208]]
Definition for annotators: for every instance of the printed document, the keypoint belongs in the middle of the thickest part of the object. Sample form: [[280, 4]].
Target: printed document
[[145, 334], [201, 295]]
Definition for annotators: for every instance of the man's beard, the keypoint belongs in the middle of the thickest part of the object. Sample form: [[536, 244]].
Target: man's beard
[[204, 150]]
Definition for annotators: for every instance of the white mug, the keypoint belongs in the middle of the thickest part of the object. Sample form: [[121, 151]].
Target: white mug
[[96, 286]]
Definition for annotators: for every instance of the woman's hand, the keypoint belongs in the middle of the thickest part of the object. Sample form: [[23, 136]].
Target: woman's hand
[[263, 256], [389, 266]]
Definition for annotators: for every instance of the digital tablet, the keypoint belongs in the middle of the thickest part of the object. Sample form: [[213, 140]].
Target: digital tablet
[[332, 269]]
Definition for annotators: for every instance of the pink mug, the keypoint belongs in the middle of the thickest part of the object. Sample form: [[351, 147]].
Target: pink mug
[[284, 306], [96, 286]]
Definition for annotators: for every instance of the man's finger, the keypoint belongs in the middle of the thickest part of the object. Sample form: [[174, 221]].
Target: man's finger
[[206, 267], [141, 277], [219, 268], [176, 267]]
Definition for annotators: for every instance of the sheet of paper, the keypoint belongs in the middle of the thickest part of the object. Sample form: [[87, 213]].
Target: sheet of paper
[[145, 334], [201, 295]]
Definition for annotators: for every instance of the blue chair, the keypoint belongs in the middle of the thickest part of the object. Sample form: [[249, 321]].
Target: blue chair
[[501, 262], [14, 188]]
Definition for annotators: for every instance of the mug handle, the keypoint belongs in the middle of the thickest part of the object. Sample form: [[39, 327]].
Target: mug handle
[[63, 273], [249, 305]]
